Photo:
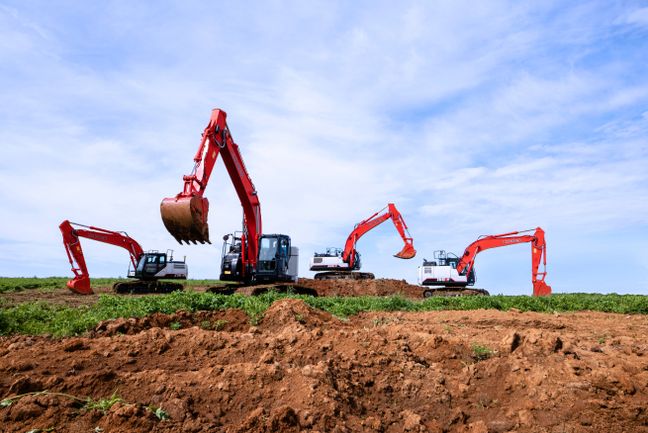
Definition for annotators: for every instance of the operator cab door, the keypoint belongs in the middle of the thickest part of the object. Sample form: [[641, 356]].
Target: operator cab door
[[283, 253], [268, 254]]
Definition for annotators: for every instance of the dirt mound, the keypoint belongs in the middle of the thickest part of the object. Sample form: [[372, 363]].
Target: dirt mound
[[285, 312], [302, 370], [228, 320], [377, 287]]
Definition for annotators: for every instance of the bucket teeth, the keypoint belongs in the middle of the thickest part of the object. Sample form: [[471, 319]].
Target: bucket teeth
[[540, 288], [186, 218], [80, 285], [407, 252]]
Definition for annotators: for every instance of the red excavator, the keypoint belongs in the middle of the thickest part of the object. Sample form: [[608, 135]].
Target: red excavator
[[449, 274], [148, 268], [339, 263], [248, 256]]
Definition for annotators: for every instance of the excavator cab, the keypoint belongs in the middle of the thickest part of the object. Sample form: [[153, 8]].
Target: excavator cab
[[186, 218], [274, 262]]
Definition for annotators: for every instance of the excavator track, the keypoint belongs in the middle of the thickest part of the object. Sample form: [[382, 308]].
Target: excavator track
[[141, 287], [454, 291], [333, 275]]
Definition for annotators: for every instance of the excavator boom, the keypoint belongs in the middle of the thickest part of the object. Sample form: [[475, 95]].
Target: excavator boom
[[185, 215], [408, 251], [81, 281], [338, 263], [538, 255]]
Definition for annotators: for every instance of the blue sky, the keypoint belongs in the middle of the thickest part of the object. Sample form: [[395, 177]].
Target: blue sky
[[473, 118]]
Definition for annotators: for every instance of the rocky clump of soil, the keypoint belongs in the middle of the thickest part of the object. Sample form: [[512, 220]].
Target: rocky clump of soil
[[300, 369]]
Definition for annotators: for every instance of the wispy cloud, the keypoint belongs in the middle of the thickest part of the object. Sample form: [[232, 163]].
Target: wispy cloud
[[473, 118]]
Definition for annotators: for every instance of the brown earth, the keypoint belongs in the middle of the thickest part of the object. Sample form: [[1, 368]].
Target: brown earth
[[378, 287], [304, 370]]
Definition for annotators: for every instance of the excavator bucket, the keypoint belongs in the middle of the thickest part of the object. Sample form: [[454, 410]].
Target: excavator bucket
[[80, 285], [186, 218], [540, 288], [407, 252]]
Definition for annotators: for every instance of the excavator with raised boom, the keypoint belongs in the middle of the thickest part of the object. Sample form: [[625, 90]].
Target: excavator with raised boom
[[340, 263], [148, 267], [449, 275], [248, 256]]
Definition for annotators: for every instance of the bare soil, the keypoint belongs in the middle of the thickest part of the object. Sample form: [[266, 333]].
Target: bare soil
[[377, 287], [301, 369]]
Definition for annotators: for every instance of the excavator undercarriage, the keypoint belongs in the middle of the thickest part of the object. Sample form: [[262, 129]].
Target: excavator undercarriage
[[143, 287]]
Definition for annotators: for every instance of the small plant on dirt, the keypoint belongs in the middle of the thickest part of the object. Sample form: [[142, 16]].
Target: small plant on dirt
[[175, 326], [299, 318], [160, 413], [215, 326], [219, 324], [103, 404], [380, 321], [481, 353]]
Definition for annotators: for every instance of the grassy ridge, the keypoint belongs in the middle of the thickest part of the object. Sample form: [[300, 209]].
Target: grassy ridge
[[49, 283], [42, 318]]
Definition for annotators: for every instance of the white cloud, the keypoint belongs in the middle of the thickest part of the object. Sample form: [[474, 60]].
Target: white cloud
[[638, 16], [471, 118]]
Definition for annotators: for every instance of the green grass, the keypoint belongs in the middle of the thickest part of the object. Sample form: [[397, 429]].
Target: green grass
[[480, 352], [51, 283], [42, 318]]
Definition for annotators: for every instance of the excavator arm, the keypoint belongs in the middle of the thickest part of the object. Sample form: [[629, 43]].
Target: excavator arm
[[349, 254], [538, 254], [81, 281], [185, 215]]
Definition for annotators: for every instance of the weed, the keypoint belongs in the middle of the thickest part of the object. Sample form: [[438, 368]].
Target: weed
[[380, 321], [175, 326], [160, 413], [299, 318], [206, 325], [219, 325], [481, 353], [103, 404], [215, 326]]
